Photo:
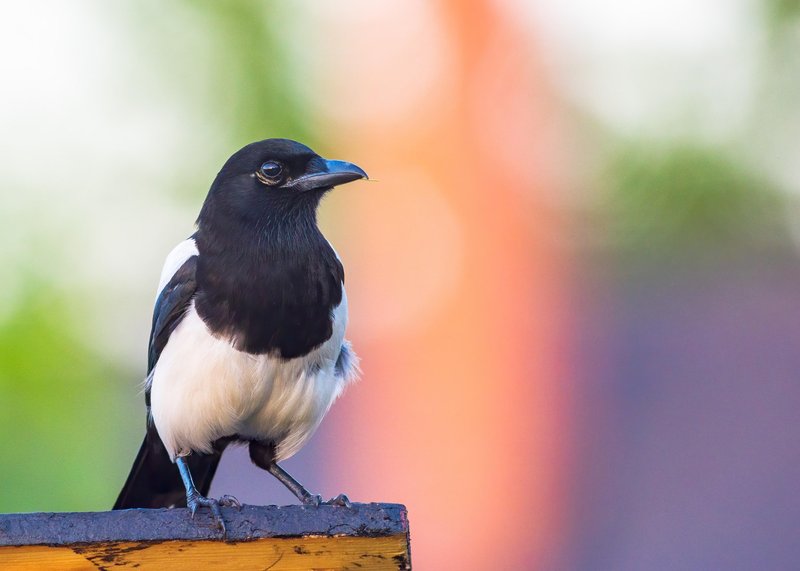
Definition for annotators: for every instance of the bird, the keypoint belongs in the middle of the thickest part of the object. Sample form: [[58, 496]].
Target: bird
[[247, 344]]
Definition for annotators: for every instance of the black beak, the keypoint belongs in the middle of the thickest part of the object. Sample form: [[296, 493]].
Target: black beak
[[327, 174]]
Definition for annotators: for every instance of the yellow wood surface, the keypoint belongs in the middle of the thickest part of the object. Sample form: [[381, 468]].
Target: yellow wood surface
[[275, 554]]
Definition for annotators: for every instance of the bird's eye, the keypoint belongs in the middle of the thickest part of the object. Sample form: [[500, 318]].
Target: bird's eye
[[271, 172]]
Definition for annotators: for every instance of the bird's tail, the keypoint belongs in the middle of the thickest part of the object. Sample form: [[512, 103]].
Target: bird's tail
[[154, 480]]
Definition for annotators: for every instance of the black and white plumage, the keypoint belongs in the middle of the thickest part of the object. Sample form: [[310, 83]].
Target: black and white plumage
[[248, 336]]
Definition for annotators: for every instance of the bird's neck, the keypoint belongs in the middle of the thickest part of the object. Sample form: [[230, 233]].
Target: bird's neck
[[284, 226]]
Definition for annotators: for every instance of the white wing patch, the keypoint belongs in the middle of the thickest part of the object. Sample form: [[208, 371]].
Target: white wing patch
[[175, 260]]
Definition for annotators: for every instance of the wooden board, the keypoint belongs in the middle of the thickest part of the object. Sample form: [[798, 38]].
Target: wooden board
[[366, 536]]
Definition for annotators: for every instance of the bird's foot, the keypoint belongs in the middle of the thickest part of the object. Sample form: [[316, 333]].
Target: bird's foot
[[230, 502], [340, 500], [316, 500], [294, 486], [313, 500], [195, 501]]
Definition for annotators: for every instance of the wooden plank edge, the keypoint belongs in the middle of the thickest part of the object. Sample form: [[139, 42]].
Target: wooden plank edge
[[388, 552]]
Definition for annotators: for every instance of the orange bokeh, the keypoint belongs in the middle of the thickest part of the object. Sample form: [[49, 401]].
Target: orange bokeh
[[458, 292]]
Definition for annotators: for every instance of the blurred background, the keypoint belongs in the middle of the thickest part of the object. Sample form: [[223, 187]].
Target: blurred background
[[575, 288]]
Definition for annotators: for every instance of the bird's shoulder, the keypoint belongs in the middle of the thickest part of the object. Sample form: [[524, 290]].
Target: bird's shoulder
[[177, 287], [175, 259]]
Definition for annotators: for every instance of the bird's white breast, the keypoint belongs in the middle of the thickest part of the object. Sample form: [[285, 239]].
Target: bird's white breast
[[203, 389]]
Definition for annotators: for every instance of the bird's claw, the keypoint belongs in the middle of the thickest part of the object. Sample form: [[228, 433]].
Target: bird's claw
[[196, 501], [312, 500], [340, 500], [315, 500], [230, 502]]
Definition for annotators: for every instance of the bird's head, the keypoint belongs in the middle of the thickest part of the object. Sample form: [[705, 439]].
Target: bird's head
[[274, 176]]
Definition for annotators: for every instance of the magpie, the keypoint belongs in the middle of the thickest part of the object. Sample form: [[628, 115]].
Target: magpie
[[248, 335]]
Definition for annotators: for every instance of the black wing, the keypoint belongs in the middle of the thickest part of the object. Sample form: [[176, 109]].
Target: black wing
[[154, 481], [171, 306]]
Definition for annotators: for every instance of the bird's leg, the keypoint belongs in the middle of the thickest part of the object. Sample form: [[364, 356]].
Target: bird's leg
[[263, 456], [302, 494], [193, 497], [294, 486]]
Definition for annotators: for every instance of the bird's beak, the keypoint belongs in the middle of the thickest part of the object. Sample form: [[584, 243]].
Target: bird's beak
[[327, 174]]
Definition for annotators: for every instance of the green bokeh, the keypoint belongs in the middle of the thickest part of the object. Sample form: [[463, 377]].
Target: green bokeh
[[683, 200], [57, 409]]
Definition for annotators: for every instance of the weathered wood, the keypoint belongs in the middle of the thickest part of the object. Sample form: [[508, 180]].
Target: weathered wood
[[366, 536]]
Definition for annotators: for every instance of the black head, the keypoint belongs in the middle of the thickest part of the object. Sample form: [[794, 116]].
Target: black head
[[272, 177]]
